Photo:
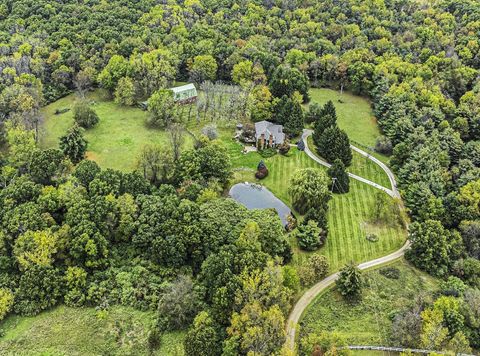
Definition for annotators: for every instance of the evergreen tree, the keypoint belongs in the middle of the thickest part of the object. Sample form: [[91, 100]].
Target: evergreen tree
[[340, 179], [350, 281], [289, 113], [319, 215], [309, 236], [73, 144], [294, 122], [333, 143], [329, 109], [325, 117]]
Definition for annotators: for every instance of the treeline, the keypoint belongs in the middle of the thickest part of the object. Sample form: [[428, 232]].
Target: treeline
[[91, 237], [418, 62]]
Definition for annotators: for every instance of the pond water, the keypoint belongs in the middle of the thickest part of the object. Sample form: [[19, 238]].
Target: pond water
[[254, 196]]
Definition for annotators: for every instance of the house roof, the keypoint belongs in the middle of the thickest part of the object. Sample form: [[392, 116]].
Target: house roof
[[267, 128]]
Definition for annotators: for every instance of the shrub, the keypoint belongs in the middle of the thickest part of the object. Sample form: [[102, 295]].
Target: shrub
[[248, 133], [453, 286], [390, 272], [267, 152], [284, 148], [6, 302], [309, 236], [372, 237], [291, 223], [84, 115], [262, 170], [383, 145]]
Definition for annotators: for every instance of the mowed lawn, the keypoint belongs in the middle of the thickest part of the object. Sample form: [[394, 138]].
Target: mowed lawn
[[361, 166], [118, 138], [348, 215], [367, 322], [81, 331]]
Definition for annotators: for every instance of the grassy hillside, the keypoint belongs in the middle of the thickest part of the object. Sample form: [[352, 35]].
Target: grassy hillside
[[354, 114], [115, 141], [348, 214], [367, 322], [80, 331]]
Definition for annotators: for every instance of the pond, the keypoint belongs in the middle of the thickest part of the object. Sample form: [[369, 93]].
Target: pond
[[255, 196]]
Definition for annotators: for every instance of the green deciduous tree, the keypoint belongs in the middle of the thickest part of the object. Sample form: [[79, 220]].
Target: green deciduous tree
[[256, 331], [286, 80], [125, 92], [203, 338], [36, 248], [39, 288], [203, 68], [73, 144], [161, 109], [314, 270], [433, 248], [84, 115], [309, 189]]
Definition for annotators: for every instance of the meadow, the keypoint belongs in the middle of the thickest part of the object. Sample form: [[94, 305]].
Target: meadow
[[354, 114], [368, 321], [65, 331]]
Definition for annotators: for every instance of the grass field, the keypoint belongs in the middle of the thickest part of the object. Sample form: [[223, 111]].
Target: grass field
[[79, 331], [354, 114], [368, 321], [361, 166], [348, 214], [115, 141]]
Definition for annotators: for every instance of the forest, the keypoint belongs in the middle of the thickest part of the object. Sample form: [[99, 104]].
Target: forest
[[164, 237]]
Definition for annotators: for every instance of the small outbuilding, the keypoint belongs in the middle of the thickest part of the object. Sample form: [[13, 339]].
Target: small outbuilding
[[184, 94], [268, 134]]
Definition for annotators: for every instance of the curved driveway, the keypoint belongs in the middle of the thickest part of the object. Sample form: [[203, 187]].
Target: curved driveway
[[309, 295], [392, 192]]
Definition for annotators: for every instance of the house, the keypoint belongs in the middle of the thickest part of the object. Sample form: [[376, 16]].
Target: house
[[184, 94], [268, 135]]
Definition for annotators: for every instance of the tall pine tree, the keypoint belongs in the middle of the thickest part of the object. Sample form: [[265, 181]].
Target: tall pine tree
[[333, 143], [340, 179], [326, 117], [289, 113]]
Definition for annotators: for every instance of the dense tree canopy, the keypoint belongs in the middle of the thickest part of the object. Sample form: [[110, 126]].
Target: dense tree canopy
[[96, 235]]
